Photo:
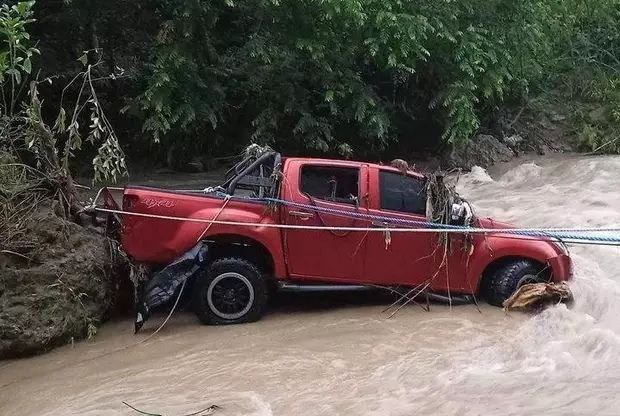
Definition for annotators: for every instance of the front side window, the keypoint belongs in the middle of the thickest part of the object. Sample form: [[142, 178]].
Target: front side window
[[333, 184], [402, 193]]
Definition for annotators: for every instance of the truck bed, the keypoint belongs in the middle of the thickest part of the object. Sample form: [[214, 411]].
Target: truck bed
[[159, 241]]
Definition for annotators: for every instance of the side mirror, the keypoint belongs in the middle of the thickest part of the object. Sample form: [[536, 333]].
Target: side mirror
[[461, 213], [355, 199]]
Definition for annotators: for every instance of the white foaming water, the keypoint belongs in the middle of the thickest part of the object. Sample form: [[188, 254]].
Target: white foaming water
[[478, 175], [561, 361], [333, 359]]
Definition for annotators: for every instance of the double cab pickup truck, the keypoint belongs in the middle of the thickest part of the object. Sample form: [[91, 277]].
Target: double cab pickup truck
[[315, 222]]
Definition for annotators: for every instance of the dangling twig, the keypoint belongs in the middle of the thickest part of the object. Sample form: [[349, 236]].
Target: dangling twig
[[141, 411], [403, 296], [211, 409], [411, 299]]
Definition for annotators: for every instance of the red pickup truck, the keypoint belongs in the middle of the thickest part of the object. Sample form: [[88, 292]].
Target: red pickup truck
[[298, 213]]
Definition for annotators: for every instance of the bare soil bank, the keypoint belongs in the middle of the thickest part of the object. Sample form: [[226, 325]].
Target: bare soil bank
[[61, 292]]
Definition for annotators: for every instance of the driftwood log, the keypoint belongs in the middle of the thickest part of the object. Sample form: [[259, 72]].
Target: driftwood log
[[535, 296]]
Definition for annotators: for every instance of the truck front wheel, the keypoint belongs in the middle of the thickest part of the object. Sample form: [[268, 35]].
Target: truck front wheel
[[230, 291], [504, 279]]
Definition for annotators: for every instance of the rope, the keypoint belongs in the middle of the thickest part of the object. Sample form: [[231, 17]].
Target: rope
[[176, 302], [393, 220], [439, 227], [324, 225], [431, 224], [214, 218], [457, 230], [559, 233]]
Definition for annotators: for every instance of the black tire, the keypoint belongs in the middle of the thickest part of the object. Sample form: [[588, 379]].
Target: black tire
[[502, 281], [230, 291]]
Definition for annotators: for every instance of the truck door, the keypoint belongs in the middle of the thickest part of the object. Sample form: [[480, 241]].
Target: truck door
[[324, 254], [397, 257]]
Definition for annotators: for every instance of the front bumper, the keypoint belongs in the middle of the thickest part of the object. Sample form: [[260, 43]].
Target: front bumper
[[561, 267]]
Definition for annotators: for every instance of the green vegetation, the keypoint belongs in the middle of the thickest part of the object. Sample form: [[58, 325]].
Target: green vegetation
[[185, 77], [36, 157]]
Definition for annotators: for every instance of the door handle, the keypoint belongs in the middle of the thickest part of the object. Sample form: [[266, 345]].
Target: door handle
[[379, 224], [301, 215]]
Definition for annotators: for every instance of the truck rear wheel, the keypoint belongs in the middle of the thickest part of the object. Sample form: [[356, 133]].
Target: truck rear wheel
[[504, 280], [230, 291]]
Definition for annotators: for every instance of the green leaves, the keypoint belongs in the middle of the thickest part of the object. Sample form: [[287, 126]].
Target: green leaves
[[23, 8], [61, 119], [314, 75], [15, 74], [27, 66], [15, 51]]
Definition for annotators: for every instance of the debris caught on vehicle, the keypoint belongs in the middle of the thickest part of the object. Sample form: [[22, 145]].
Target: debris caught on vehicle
[[444, 204], [164, 283], [401, 165], [535, 296]]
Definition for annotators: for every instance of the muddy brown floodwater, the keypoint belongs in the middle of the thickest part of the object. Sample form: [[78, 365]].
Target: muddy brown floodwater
[[336, 357]]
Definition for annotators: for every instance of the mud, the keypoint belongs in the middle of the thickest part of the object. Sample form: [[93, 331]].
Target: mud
[[60, 293]]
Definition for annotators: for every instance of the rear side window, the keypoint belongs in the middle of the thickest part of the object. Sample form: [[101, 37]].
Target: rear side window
[[402, 193], [330, 183]]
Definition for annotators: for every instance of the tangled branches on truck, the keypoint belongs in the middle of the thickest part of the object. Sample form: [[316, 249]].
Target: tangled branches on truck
[[444, 205]]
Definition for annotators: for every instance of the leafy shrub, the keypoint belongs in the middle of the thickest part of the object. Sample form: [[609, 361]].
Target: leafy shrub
[[321, 76]]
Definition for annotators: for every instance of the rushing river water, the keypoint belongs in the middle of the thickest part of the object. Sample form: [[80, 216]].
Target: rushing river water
[[333, 357]]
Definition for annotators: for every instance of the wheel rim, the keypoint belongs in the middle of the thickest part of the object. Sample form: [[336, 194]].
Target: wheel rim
[[230, 295], [527, 279]]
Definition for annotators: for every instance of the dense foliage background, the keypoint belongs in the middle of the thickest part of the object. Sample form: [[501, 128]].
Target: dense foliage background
[[362, 77]]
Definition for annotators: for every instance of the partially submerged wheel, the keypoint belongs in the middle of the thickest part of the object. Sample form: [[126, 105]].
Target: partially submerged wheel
[[504, 280], [230, 291]]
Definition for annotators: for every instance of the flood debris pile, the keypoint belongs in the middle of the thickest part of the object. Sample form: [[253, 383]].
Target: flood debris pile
[[56, 277], [444, 205]]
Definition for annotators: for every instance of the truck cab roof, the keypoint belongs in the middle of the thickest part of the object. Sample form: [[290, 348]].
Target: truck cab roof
[[350, 163]]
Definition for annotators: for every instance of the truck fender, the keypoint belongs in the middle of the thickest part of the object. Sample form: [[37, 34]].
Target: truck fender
[[499, 249], [267, 238]]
